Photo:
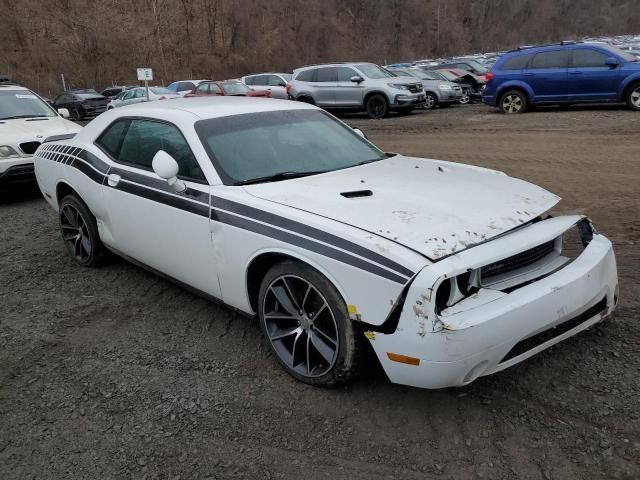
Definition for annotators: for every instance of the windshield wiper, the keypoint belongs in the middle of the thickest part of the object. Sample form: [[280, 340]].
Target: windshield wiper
[[276, 177], [22, 116]]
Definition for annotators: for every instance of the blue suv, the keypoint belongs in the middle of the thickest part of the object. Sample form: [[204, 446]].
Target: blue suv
[[563, 74]]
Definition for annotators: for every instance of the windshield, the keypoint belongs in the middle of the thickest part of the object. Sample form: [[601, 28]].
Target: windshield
[[286, 76], [22, 104], [448, 75], [161, 91], [87, 94], [235, 88], [255, 145], [628, 57], [374, 72]]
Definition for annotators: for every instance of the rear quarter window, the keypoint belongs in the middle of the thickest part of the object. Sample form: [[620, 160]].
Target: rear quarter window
[[305, 76], [516, 63]]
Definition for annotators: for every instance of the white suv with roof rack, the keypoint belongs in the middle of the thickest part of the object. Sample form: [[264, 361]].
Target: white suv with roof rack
[[26, 120]]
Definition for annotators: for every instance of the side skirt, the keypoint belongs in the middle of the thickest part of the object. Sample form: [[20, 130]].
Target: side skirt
[[181, 284]]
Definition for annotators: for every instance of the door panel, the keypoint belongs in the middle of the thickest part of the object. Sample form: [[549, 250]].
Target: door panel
[[590, 78], [547, 75], [146, 219], [324, 85], [348, 93]]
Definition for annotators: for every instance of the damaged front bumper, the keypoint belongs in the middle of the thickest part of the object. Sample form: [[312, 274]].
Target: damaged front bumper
[[492, 330]]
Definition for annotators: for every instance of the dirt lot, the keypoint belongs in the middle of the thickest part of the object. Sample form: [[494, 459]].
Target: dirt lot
[[116, 373]]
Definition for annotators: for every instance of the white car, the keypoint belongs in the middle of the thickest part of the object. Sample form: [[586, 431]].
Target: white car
[[276, 83], [281, 211], [25, 121], [139, 95]]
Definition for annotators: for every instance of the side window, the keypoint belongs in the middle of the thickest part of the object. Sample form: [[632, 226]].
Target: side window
[[203, 88], [139, 93], [111, 139], [345, 74], [327, 74], [183, 86], [261, 80], [516, 63], [306, 76], [553, 59], [214, 89], [249, 80], [145, 138], [173, 87], [129, 94], [276, 81], [587, 57]]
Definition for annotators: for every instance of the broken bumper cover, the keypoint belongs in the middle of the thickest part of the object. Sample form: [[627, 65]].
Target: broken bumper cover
[[501, 329]]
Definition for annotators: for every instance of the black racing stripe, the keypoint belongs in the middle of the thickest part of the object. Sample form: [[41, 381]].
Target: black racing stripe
[[166, 199], [91, 159], [159, 184], [55, 138], [307, 244], [87, 170], [302, 229]]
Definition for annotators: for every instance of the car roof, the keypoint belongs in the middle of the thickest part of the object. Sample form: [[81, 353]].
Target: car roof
[[334, 64], [13, 86], [212, 107]]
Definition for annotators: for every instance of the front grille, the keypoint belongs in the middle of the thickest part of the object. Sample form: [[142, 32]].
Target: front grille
[[29, 147], [542, 337], [517, 261]]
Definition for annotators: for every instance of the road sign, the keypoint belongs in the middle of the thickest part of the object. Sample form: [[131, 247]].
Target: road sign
[[145, 74]]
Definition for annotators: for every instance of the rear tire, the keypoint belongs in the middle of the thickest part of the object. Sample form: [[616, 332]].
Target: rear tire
[[377, 106], [307, 326], [430, 101], [466, 96], [306, 99], [633, 97], [512, 102], [80, 232], [75, 115]]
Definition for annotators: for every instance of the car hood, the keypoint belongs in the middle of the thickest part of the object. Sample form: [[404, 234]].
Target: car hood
[[13, 132], [434, 83], [433, 207]]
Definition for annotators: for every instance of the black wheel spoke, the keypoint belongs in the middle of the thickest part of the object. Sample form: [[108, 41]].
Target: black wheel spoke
[[300, 325]]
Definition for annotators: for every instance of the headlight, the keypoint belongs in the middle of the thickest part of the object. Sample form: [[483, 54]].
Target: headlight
[[399, 86], [8, 152], [445, 87], [454, 289]]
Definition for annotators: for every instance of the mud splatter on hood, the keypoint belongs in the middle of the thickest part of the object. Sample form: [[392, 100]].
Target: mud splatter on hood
[[433, 207]]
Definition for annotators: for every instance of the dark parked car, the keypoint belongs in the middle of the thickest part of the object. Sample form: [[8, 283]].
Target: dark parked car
[[563, 74], [82, 103], [111, 92], [468, 90]]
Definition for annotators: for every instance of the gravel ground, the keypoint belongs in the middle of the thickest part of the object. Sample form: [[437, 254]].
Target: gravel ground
[[116, 373]]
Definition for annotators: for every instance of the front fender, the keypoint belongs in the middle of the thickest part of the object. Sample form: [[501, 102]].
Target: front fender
[[625, 83]]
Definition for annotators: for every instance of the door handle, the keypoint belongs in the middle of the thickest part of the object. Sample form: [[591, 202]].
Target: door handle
[[528, 74], [575, 72], [113, 179]]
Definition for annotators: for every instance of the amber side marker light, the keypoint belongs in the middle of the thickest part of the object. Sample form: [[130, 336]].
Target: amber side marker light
[[396, 357]]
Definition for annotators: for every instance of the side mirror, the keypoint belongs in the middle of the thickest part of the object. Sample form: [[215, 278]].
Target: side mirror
[[165, 166], [360, 132], [64, 112], [357, 79], [612, 62]]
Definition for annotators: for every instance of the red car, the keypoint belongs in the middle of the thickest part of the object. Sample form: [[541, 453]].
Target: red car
[[227, 88]]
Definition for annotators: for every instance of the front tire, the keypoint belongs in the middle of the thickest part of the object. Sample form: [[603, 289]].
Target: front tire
[[466, 96], [513, 101], [75, 115], [377, 106], [633, 97], [307, 326], [430, 101], [80, 232]]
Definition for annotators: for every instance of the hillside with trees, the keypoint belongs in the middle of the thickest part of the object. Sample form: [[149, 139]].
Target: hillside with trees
[[94, 43]]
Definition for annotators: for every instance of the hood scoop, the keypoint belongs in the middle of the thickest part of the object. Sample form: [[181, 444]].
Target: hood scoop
[[357, 193]]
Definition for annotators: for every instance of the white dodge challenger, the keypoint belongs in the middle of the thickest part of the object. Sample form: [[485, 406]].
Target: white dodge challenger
[[280, 211]]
